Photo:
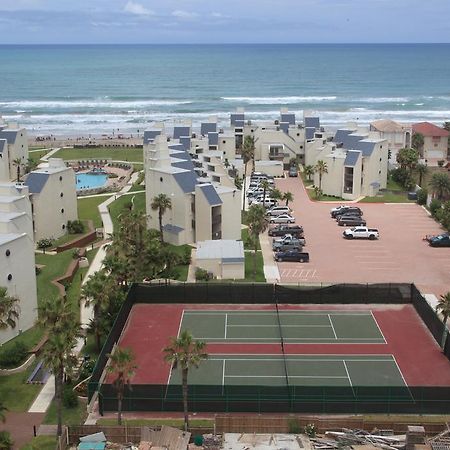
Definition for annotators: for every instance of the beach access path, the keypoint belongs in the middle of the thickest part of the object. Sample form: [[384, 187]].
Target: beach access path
[[45, 396]]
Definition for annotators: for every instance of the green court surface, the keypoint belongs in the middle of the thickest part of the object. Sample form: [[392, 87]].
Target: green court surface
[[262, 326], [301, 370]]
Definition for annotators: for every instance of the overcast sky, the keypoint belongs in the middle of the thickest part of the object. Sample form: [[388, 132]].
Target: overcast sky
[[223, 21]]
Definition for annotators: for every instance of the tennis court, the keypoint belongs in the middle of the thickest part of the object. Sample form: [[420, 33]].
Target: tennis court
[[295, 327], [296, 370]]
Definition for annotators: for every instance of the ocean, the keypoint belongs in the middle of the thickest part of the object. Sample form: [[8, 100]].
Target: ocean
[[80, 89]]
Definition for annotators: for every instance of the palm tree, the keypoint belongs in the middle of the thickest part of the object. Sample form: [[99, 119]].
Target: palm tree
[[97, 292], [321, 168], [257, 224], [309, 172], [422, 170], [121, 364], [161, 203], [408, 158], [417, 142], [56, 316], [18, 163], [266, 186], [247, 153], [185, 352], [318, 192], [288, 197], [443, 306], [9, 310], [440, 184], [276, 194]]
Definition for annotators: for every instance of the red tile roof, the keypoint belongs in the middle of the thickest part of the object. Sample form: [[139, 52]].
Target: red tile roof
[[429, 129]]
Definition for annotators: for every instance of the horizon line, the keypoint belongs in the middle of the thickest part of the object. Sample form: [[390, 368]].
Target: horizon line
[[220, 43]]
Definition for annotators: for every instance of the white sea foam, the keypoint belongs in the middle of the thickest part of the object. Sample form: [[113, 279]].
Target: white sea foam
[[279, 100]]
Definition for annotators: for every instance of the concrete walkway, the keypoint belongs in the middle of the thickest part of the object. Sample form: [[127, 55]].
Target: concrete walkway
[[270, 266], [50, 154], [45, 397]]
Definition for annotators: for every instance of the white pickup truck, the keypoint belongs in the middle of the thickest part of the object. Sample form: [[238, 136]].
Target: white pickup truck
[[288, 239], [361, 233]]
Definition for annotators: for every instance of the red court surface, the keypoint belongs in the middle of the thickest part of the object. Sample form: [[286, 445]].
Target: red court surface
[[149, 328]]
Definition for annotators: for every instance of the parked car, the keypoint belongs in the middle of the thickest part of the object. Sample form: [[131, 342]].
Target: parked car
[[293, 172], [281, 230], [351, 221], [353, 210], [337, 208], [286, 240], [361, 233], [292, 255], [277, 210], [255, 191], [282, 218], [441, 240], [267, 203], [289, 246]]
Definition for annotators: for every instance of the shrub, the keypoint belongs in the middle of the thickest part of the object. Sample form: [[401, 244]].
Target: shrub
[[45, 243], [202, 275], [435, 206], [70, 398], [310, 430], [422, 196], [6, 443], [75, 226], [441, 163], [13, 356], [198, 440], [75, 253], [86, 369], [38, 270], [185, 258]]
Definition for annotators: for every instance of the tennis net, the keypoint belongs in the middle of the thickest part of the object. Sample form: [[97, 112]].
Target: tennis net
[[281, 339]]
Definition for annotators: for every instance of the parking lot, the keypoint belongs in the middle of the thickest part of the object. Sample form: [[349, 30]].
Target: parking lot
[[400, 255]]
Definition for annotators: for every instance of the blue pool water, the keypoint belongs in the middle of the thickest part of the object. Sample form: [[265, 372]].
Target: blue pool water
[[91, 180]]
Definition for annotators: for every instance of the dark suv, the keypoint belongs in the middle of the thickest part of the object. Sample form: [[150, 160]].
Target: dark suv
[[348, 210], [351, 221], [281, 230]]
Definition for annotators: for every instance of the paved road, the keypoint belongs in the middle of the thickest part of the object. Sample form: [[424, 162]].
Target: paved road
[[400, 255]]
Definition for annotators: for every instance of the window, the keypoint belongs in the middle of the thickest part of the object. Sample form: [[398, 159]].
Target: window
[[62, 210], [298, 134], [224, 142], [61, 195], [63, 227], [60, 178], [161, 179], [8, 252], [9, 277]]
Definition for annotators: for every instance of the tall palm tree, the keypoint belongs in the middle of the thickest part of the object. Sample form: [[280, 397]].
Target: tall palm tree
[[161, 203], [443, 306], [121, 364], [184, 352], [276, 194], [257, 224], [247, 153], [18, 163], [417, 142], [422, 170], [266, 186], [321, 168], [9, 310], [440, 184], [97, 292], [288, 197], [309, 172], [62, 328]]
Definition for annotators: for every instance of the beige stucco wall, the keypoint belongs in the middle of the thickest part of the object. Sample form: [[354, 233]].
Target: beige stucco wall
[[435, 150], [231, 214], [234, 271]]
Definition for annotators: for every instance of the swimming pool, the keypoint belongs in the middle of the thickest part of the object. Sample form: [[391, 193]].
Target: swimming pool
[[91, 180]]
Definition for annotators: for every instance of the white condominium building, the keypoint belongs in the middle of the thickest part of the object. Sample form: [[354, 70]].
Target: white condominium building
[[13, 147]]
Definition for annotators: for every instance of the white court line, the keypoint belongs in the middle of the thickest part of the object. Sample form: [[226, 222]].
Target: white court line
[[348, 376], [181, 321], [332, 326], [226, 324], [293, 312], [379, 329], [223, 374], [401, 374], [248, 340], [283, 376], [358, 358], [273, 326]]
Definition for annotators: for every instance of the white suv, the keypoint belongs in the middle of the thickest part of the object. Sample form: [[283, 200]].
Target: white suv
[[277, 210]]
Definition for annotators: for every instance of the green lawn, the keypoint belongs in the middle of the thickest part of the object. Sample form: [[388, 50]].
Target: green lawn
[[393, 185], [71, 416], [116, 154], [323, 197], [36, 156], [88, 209], [176, 423], [41, 443], [388, 197], [138, 166], [15, 393], [259, 267], [117, 207], [70, 237], [246, 241], [29, 338], [137, 187], [181, 270]]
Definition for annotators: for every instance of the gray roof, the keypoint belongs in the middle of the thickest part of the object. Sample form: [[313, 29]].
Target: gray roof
[[186, 181], [284, 126], [366, 147], [351, 158], [211, 194], [312, 122], [208, 127], [176, 146], [9, 135], [187, 164], [288, 117], [227, 250], [169, 228], [5, 238], [179, 131], [149, 135], [3, 143], [232, 260], [341, 135], [36, 181], [213, 138], [236, 117], [186, 142], [181, 155]]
